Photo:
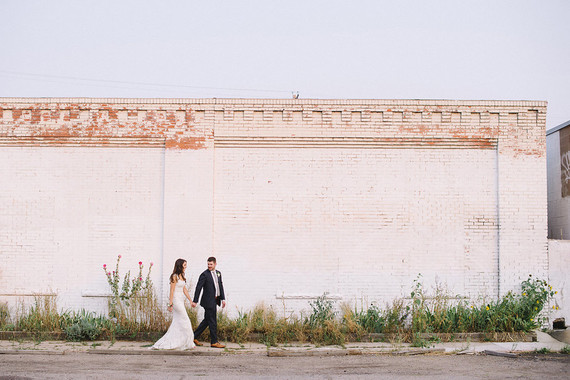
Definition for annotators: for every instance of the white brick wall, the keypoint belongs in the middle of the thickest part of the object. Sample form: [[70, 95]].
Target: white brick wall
[[357, 223], [559, 266], [295, 198], [67, 211], [558, 207], [188, 212]]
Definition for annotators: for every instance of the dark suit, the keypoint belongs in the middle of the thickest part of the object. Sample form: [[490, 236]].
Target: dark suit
[[209, 302]]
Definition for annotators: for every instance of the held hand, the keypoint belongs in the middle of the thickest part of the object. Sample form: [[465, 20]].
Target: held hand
[[223, 304], [194, 304]]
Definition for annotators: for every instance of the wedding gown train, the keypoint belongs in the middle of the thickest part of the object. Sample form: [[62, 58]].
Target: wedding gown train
[[180, 335]]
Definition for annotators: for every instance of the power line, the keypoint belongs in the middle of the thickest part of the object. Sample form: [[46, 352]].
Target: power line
[[139, 83]]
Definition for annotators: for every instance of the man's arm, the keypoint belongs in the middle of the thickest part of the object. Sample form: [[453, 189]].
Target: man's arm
[[199, 286], [222, 294], [221, 285]]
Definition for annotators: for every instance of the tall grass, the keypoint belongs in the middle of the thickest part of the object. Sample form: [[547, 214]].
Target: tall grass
[[5, 317], [511, 313], [42, 316], [264, 322], [141, 314], [403, 319]]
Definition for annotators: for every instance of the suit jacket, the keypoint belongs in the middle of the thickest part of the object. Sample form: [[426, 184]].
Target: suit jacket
[[206, 283]]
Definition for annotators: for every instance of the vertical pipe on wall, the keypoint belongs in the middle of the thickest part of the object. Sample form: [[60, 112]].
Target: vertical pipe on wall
[[498, 195], [162, 200]]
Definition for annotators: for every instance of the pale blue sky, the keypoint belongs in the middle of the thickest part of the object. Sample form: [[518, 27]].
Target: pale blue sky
[[261, 48]]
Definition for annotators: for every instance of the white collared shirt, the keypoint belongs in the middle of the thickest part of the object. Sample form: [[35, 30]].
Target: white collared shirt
[[215, 277]]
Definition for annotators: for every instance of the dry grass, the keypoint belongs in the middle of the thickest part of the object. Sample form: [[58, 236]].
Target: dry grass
[[416, 320], [141, 314], [42, 316]]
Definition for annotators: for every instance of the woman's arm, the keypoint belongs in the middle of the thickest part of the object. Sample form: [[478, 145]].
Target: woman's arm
[[172, 287], [187, 294]]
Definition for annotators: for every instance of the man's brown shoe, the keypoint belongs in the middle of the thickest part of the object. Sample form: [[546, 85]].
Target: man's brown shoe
[[197, 343], [217, 345]]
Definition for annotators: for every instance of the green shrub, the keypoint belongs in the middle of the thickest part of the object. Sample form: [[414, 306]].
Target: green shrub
[[372, 320], [322, 311], [85, 326]]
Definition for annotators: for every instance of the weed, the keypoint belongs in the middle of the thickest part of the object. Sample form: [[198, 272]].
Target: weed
[[84, 326], [542, 351], [4, 315], [41, 317], [419, 341], [137, 310], [133, 305], [371, 320], [323, 311]]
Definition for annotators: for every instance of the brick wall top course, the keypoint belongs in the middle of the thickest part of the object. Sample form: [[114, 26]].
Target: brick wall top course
[[513, 127]]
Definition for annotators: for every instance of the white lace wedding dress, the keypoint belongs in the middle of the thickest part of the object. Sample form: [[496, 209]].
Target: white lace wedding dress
[[179, 335]]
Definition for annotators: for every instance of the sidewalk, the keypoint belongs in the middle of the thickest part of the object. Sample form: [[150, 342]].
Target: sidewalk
[[544, 341]]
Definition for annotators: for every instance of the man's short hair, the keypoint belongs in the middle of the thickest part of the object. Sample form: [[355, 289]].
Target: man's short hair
[[212, 259]]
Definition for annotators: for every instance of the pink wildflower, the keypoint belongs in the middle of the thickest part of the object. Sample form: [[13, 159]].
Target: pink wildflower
[[104, 266], [140, 262], [140, 278], [151, 263], [120, 256]]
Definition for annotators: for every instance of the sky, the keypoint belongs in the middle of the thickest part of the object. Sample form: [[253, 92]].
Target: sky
[[353, 49]]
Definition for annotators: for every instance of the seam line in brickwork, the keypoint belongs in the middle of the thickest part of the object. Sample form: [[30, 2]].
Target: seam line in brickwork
[[356, 142], [126, 142]]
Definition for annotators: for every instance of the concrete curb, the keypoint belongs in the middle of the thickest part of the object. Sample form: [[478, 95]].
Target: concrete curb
[[156, 352], [32, 352], [498, 353], [256, 337], [545, 342], [271, 352], [280, 352]]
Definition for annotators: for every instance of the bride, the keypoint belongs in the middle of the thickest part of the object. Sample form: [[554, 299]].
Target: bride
[[179, 335]]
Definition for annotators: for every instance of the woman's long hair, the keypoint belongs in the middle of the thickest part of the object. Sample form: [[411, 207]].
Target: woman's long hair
[[178, 270]]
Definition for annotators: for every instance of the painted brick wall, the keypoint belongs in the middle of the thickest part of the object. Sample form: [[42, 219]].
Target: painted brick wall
[[294, 197], [558, 206], [559, 266], [68, 210], [357, 223]]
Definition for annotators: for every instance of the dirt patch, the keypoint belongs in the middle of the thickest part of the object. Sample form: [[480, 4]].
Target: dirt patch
[[556, 357]]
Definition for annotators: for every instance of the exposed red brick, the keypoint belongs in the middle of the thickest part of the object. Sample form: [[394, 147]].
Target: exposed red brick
[[54, 115], [186, 143], [36, 116]]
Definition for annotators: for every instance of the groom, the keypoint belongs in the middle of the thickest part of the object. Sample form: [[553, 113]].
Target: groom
[[211, 282]]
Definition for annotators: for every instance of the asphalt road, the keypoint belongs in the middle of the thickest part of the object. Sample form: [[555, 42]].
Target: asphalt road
[[82, 365]]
